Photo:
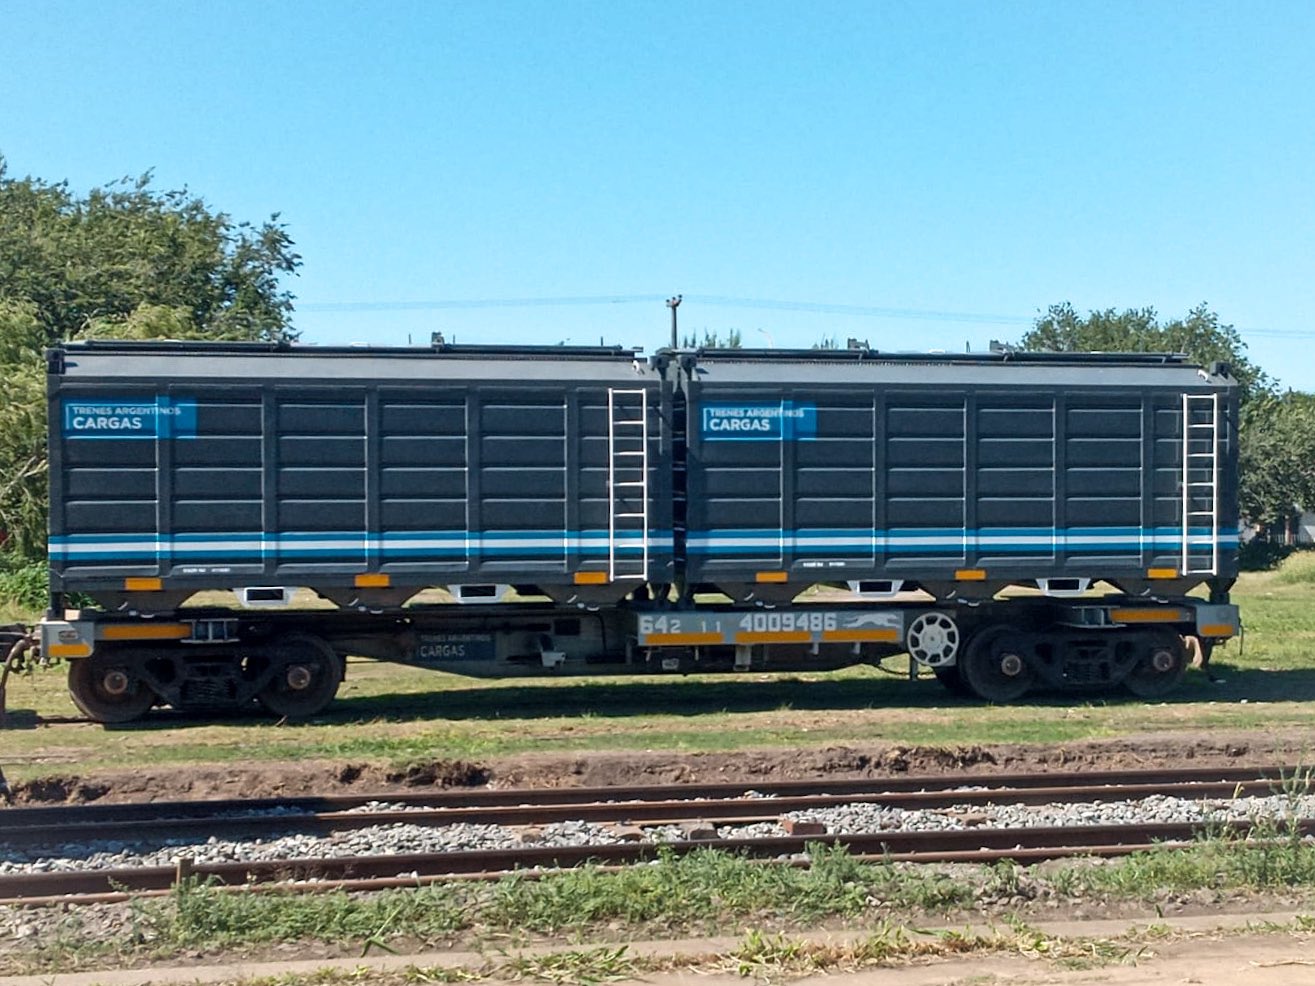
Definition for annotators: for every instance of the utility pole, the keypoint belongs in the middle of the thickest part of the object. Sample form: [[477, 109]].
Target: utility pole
[[673, 304]]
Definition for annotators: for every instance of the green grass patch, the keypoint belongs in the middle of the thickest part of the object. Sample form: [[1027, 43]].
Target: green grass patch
[[1270, 858], [1297, 569], [705, 892], [396, 715]]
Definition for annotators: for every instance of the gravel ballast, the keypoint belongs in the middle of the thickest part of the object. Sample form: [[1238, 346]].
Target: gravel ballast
[[854, 818]]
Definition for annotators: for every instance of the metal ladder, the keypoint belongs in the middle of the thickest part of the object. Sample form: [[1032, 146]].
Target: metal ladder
[[1200, 484], [627, 482]]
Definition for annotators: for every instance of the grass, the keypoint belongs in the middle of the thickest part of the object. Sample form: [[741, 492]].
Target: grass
[[1297, 569], [397, 715], [704, 893]]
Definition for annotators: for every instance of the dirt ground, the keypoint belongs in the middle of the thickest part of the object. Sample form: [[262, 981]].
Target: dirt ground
[[309, 778], [1218, 950]]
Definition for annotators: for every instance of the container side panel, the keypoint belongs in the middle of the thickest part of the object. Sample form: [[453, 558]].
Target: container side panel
[[522, 481], [925, 493], [599, 458], [423, 482], [1103, 476], [320, 515], [835, 489], [246, 467], [109, 483], [735, 507], [1014, 481]]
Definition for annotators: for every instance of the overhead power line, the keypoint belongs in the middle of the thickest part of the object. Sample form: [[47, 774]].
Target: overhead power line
[[722, 301], [717, 301], [415, 306], [864, 311]]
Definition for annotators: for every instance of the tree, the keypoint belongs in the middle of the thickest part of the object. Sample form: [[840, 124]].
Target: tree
[[1201, 336], [124, 261], [712, 340], [127, 253], [1277, 458], [1272, 442]]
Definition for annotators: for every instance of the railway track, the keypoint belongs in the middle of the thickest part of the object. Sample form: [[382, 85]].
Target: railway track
[[708, 807]]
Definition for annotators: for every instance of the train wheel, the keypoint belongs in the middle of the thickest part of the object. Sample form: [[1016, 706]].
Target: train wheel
[[1161, 667], [995, 666], [107, 689], [305, 677]]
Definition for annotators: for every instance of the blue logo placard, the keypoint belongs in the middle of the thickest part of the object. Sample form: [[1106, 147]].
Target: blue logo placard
[[783, 421], [130, 417]]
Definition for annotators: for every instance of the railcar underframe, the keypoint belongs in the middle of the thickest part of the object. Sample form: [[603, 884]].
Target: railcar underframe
[[292, 661]]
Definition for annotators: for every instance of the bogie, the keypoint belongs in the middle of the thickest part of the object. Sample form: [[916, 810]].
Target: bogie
[[1161, 664], [108, 687], [302, 678]]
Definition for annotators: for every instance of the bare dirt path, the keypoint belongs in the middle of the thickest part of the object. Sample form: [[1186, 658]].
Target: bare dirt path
[[618, 769], [1218, 950]]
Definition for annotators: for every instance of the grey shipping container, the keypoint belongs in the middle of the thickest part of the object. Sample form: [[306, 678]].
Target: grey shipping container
[[364, 473], [960, 473]]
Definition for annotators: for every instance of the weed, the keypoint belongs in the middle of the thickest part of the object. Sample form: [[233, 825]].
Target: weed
[[585, 966], [1076, 953], [768, 957], [1005, 880], [439, 974], [1298, 783], [198, 914], [1270, 857]]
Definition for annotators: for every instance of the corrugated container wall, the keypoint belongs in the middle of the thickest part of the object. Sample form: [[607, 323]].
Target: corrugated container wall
[[852, 467], [213, 466]]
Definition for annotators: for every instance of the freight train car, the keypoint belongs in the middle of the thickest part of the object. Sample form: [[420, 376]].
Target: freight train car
[[1007, 519]]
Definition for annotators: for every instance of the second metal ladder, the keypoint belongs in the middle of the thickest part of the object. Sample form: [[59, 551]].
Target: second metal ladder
[[627, 485], [1200, 545]]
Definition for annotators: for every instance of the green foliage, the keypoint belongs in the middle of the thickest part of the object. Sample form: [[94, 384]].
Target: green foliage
[[126, 261], [1277, 456], [713, 340], [1200, 335], [704, 886], [585, 966], [1261, 555], [690, 891], [706, 891], [24, 584], [160, 261], [23, 472], [1276, 434], [1272, 857], [199, 914], [1298, 569]]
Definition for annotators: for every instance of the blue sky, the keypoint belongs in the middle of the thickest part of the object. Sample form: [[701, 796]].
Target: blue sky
[[922, 175]]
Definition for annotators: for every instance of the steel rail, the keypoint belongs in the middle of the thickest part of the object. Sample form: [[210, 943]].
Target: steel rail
[[21, 830], [962, 786], [1020, 844]]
